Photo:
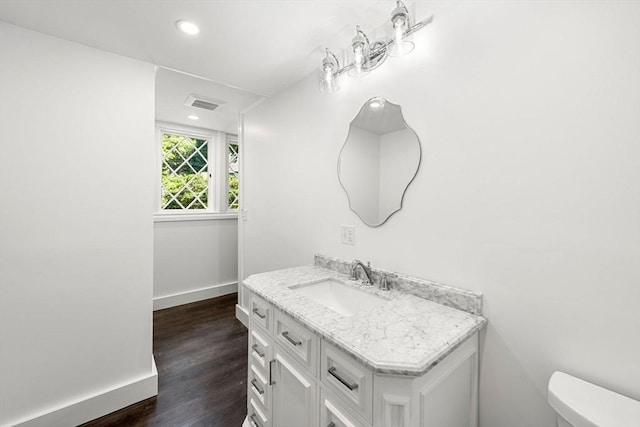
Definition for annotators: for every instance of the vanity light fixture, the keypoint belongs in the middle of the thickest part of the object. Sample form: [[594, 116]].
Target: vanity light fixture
[[187, 27], [367, 56]]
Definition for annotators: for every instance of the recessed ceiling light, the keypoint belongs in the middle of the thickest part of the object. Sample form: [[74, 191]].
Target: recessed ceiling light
[[193, 117], [187, 27]]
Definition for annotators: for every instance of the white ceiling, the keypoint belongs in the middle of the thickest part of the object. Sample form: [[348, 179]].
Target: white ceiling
[[173, 89], [260, 46], [246, 49]]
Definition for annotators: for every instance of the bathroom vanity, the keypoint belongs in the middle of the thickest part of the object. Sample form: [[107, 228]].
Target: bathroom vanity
[[328, 351]]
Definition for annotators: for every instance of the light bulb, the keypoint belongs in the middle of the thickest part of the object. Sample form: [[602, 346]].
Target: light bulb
[[327, 84], [328, 74], [359, 58], [398, 31]]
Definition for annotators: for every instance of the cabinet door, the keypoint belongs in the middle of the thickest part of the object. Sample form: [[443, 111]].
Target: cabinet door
[[449, 392], [294, 394]]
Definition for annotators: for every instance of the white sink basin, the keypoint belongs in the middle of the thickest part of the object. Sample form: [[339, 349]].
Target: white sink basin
[[339, 297]]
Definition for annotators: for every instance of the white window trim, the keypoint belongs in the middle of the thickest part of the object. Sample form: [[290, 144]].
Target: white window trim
[[192, 216], [217, 162]]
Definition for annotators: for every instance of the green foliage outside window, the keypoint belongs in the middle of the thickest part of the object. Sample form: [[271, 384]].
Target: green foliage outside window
[[233, 191], [232, 172], [185, 176]]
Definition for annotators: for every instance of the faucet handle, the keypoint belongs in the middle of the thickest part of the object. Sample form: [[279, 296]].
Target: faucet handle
[[384, 283]]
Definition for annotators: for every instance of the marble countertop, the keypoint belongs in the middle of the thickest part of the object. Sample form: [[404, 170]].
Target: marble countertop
[[406, 335]]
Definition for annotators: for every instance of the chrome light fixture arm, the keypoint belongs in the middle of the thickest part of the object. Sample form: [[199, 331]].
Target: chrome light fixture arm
[[419, 25], [380, 47], [372, 55]]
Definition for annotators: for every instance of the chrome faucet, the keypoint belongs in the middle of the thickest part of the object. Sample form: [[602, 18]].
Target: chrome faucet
[[366, 268], [384, 282]]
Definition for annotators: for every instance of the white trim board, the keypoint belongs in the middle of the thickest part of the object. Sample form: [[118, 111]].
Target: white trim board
[[195, 295], [242, 315], [96, 405]]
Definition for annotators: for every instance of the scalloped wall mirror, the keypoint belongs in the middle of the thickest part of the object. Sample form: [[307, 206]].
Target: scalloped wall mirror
[[378, 161]]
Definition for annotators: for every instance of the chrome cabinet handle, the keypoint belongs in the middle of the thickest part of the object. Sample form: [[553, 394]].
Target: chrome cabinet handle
[[255, 384], [271, 367], [257, 313], [253, 418], [258, 352], [291, 340], [334, 374]]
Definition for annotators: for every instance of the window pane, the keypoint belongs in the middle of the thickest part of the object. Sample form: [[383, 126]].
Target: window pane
[[232, 168], [185, 175]]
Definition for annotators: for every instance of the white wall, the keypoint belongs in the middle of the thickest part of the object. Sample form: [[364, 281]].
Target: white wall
[[529, 188], [194, 260], [76, 166]]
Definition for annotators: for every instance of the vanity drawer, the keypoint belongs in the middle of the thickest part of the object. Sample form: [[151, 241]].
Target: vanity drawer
[[296, 339], [261, 312], [259, 386], [348, 379], [257, 416], [259, 350], [334, 414]]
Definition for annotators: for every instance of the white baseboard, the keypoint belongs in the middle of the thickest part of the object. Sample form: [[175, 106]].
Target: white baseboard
[[195, 295], [97, 405], [242, 315]]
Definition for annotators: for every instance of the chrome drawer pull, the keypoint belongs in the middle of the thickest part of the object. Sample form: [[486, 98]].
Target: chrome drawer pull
[[258, 352], [257, 313], [334, 374], [254, 420], [291, 340], [271, 365], [257, 387]]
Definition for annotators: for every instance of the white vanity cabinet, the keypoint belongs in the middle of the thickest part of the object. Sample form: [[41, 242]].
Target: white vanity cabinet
[[295, 401], [282, 368], [299, 379]]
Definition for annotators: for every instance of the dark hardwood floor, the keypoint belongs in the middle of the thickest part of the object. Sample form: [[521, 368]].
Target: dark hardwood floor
[[201, 355]]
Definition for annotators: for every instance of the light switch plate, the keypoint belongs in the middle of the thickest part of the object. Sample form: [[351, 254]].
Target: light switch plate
[[348, 234]]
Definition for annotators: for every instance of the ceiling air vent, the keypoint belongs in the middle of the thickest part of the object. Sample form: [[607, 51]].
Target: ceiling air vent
[[198, 101]]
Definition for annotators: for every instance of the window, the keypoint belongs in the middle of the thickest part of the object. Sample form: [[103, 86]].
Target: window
[[233, 184], [199, 173], [185, 174]]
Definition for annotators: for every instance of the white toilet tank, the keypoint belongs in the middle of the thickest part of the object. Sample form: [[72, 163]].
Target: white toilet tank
[[582, 404]]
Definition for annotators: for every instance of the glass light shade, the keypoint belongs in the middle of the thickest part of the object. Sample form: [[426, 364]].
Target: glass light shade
[[360, 52], [328, 84], [328, 74], [400, 49], [400, 23]]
